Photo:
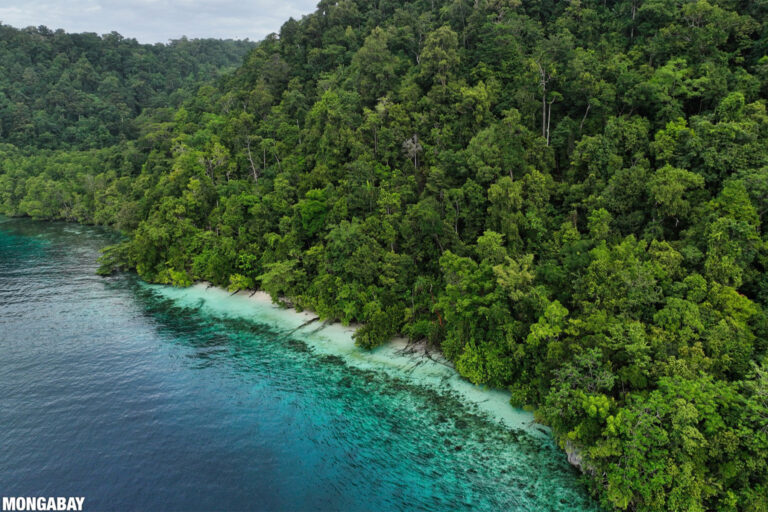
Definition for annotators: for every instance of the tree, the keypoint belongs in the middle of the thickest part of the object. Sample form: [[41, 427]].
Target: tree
[[440, 55], [375, 65]]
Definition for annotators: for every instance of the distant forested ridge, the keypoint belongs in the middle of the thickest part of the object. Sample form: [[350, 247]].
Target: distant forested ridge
[[567, 197], [77, 112], [82, 91]]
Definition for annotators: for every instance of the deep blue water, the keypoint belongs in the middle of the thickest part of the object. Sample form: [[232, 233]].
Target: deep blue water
[[112, 391]]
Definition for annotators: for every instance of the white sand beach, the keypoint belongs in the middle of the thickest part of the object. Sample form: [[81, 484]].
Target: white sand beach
[[397, 358]]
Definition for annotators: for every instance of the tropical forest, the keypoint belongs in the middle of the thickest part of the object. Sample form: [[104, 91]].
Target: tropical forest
[[565, 198]]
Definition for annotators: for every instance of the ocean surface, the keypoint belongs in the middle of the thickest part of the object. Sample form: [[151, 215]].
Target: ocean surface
[[149, 398]]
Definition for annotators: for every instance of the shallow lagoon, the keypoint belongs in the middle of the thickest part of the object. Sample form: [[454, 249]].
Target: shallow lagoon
[[152, 398]]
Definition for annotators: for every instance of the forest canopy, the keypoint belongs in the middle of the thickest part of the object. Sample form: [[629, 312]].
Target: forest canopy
[[83, 91], [566, 197]]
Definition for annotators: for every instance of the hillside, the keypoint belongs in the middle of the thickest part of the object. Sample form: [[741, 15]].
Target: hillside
[[566, 197], [82, 91]]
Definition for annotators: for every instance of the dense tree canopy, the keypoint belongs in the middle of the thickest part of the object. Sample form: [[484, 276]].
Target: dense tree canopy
[[566, 197], [82, 91]]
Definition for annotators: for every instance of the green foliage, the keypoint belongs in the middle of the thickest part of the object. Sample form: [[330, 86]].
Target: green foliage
[[568, 198], [84, 91]]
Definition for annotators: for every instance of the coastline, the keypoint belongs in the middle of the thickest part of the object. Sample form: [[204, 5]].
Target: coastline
[[398, 358]]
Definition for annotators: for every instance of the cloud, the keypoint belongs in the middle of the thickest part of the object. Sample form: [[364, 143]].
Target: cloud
[[152, 21]]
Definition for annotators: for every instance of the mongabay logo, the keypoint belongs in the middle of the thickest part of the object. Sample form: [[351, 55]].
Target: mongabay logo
[[51, 503]]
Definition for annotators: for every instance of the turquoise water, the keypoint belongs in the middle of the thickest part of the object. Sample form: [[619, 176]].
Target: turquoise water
[[150, 398]]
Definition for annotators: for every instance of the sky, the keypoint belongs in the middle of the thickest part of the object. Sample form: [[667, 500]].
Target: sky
[[153, 21]]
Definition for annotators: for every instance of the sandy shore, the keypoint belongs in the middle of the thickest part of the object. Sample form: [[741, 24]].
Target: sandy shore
[[398, 358]]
